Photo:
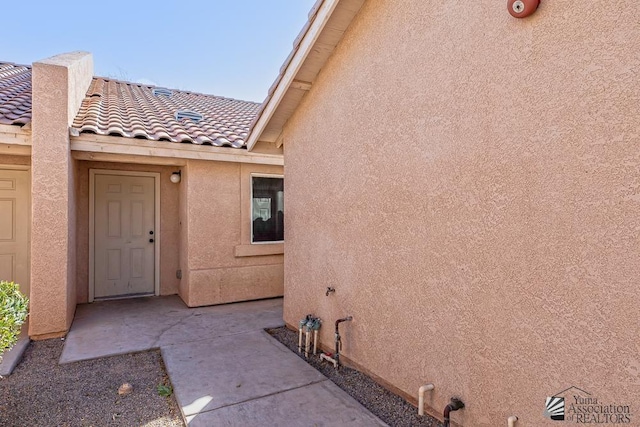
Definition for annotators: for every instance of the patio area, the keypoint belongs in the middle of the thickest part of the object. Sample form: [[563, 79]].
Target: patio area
[[225, 369]]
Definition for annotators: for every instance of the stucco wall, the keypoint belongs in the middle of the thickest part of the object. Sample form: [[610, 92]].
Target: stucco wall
[[202, 221], [169, 224], [217, 206], [58, 85], [470, 185]]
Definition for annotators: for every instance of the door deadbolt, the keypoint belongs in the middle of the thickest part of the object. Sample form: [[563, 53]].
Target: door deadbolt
[[151, 232]]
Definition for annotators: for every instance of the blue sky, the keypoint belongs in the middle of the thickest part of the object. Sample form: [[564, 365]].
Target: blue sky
[[231, 48]]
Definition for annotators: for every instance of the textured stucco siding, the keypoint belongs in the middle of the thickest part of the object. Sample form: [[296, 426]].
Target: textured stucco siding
[[470, 185], [201, 222], [58, 85], [217, 209]]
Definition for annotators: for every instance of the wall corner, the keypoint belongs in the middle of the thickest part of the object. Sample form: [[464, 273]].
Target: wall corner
[[59, 84]]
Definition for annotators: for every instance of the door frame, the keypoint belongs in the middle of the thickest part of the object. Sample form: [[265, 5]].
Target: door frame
[[92, 225], [24, 168]]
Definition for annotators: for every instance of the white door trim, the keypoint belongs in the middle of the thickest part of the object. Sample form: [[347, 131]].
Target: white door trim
[[92, 197], [15, 167]]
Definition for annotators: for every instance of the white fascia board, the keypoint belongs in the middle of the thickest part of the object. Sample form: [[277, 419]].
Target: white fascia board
[[322, 17], [138, 147]]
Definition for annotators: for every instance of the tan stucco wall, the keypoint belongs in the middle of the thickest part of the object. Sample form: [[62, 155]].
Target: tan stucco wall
[[169, 224], [58, 86], [217, 209], [470, 185]]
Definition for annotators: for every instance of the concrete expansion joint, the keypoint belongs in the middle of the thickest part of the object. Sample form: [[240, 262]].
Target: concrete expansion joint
[[180, 343], [168, 328], [267, 395]]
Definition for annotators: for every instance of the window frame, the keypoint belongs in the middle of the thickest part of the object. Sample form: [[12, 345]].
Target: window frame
[[260, 175]]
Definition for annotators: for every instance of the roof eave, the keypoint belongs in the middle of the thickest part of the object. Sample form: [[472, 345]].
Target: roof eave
[[304, 45], [112, 148], [15, 135]]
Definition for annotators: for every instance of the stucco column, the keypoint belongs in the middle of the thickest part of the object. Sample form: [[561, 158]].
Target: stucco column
[[59, 84]]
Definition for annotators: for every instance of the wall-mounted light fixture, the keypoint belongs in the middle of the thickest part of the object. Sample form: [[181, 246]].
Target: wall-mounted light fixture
[[522, 8], [175, 177]]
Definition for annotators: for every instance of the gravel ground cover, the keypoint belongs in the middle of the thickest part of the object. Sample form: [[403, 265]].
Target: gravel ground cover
[[389, 407], [42, 393]]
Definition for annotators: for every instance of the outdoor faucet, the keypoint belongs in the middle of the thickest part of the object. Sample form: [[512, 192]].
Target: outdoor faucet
[[330, 290], [455, 405]]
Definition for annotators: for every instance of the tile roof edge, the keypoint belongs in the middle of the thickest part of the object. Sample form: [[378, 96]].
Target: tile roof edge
[[16, 96], [189, 92], [15, 64]]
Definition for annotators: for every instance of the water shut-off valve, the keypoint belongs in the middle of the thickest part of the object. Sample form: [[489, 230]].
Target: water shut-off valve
[[307, 324]]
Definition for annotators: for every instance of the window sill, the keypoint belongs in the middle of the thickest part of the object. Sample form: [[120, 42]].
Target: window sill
[[259, 250]]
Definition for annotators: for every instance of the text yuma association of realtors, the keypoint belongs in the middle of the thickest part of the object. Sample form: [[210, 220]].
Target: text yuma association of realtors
[[588, 410]]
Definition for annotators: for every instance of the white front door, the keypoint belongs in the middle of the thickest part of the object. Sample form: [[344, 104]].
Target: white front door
[[14, 227], [124, 235]]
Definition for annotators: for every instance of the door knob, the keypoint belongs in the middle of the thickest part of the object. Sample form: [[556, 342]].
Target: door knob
[[150, 240]]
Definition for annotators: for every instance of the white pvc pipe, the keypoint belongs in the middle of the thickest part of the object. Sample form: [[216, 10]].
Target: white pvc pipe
[[315, 341], [329, 359], [299, 340], [421, 390], [511, 421]]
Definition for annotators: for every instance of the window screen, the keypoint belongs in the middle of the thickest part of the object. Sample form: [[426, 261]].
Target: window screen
[[267, 207]]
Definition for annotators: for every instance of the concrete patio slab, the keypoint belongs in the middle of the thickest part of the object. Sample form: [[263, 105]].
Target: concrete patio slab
[[225, 369], [320, 404], [233, 369], [124, 326]]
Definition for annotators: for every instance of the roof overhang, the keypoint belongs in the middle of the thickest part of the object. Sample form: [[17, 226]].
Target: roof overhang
[[328, 21], [15, 140], [131, 150]]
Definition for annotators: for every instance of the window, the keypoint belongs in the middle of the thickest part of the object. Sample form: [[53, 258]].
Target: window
[[267, 209]]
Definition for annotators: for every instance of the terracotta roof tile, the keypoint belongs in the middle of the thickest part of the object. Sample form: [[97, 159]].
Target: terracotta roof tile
[[132, 110], [15, 94]]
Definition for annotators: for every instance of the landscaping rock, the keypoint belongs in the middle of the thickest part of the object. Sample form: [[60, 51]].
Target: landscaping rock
[[125, 389], [389, 407], [41, 392]]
